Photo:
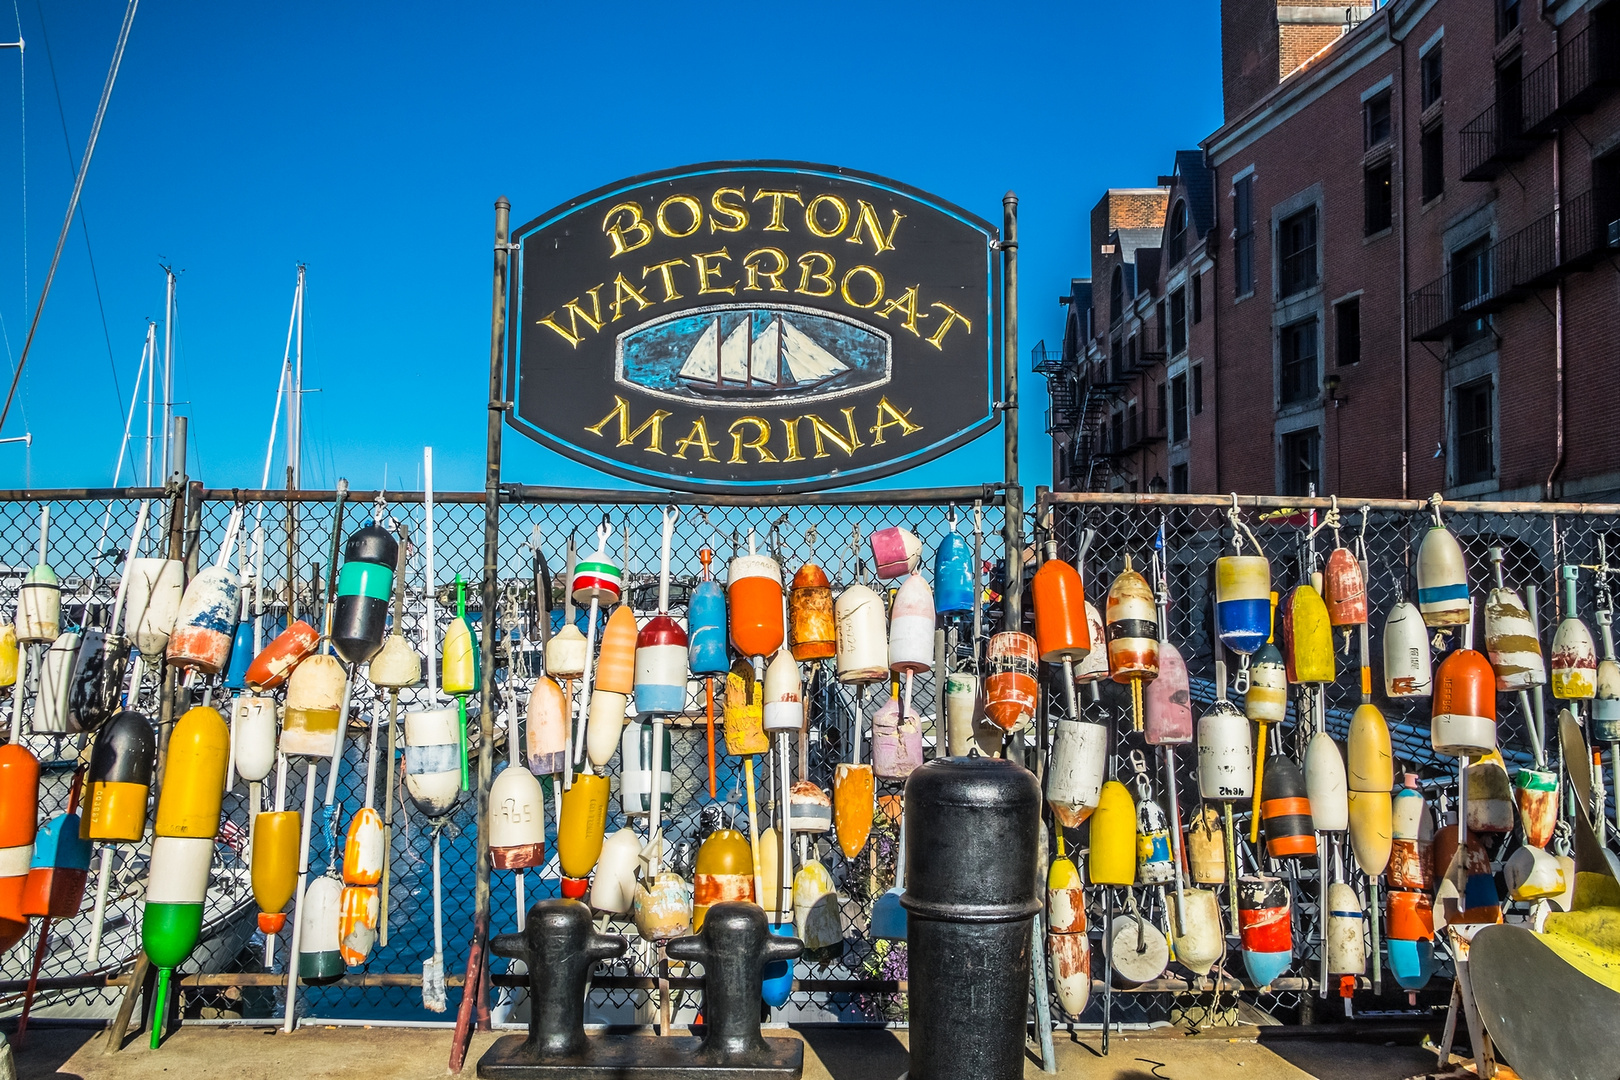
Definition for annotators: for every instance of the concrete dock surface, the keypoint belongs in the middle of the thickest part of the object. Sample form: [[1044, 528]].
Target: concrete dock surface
[[393, 1053]]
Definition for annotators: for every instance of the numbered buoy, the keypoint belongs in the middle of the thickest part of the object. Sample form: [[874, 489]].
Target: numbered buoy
[[580, 825], [156, 587], [1325, 786], [897, 552], [278, 659], [312, 726], [863, 636], [1307, 637], [1344, 590], [432, 765], [546, 720], [1265, 927], [1267, 698], [1442, 579], [1074, 777], [122, 762], [754, 603], [365, 586], [745, 712], [636, 770], [1243, 601], [1464, 718], [812, 625], [1347, 931], [1010, 688], [58, 870], [784, 695], [724, 871], [274, 866], [897, 747], [1408, 671], [1066, 937], [517, 820], [1512, 643], [194, 775], [954, 579], [1168, 701], [1225, 754], [613, 887], [56, 685], [1113, 837], [1287, 810], [253, 732], [1574, 655], [853, 806], [320, 953], [1200, 939], [1536, 793], [1411, 859]]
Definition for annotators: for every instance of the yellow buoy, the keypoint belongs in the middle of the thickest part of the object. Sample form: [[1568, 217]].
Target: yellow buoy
[[1372, 764], [724, 871], [275, 859], [1371, 829], [1309, 636], [8, 655], [580, 824], [1113, 837], [314, 699], [194, 777]]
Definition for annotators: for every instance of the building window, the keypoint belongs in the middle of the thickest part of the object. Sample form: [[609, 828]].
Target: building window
[[1606, 194], [1301, 462], [1296, 249], [1159, 400], [1197, 389], [1378, 199], [1116, 295], [1475, 461], [1510, 98], [1178, 408], [1431, 147], [1297, 363], [1198, 297], [1471, 284], [1178, 232], [1117, 440], [1178, 322], [1375, 121], [1118, 364], [1243, 235], [1429, 75], [1178, 482], [1132, 429], [1347, 331], [1507, 18]]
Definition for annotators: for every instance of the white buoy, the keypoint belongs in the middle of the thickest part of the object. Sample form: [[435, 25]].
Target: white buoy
[[1325, 784], [1078, 767], [1408, 671]]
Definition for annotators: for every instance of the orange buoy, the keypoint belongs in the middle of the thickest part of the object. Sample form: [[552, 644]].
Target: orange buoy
[[754, 603], [811, 625], [19, 821], [277, 660], [1344, 589], [1464, 720], [1010, 687]]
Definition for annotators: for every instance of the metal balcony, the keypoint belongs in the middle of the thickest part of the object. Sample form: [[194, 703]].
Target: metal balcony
[[1588, 69], [1045, 361], [1489, 143]]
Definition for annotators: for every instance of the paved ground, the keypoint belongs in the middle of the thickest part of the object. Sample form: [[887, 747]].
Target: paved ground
[[198, 1053]]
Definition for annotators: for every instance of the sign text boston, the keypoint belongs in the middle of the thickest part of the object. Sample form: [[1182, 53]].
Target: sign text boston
[[762, 326]]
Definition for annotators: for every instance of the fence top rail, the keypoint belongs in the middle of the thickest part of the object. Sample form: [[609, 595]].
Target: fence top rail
[[510, 494], [1292, 502]]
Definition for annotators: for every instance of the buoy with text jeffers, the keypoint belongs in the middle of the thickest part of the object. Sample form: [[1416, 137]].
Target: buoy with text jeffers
[[1265, 922], [205, 624], [1408, 671], [123, 759], [1132, 621], [1574, 654], [1442, 576], [1464, 718]]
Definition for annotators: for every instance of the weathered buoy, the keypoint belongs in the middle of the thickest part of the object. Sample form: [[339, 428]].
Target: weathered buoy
[[745, 712], [1200, 939], [1490, 795], [1574, 655], [56, 685], [1206, 850], [517, 820], [39, 598], [1325, 786], [1411, 860], [613, 886], [1408, 671], [1074, 777], [320, 952], [1265, 927], [1344, 589], [863, 637], [432, 768], [1347, 931], [1287, 810], [1442, 579], [1512, 643], [1535, 791], [896, 551], [1132, 621], [1243, 602], [1137, 950], [961, 712], [1464, 718], [663, 907], [156, 587], [312, 726], [1010, 688], [954, 576], [1155, 863], [1094, 668], [1225, 754], [812, 808], [365, 586], [1168, 701], [1266, 700], [816, 912], [1307, 637], [205, 623], [1066, 936], [546, 723], [580, 825], [812, 627], [897, 746], [724, 871]]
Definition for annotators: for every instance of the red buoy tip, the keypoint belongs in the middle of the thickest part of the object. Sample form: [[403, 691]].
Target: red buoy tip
[[574, 888], [271, 922]]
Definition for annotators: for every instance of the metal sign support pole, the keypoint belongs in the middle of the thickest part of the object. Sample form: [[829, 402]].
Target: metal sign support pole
[[1013, 507]]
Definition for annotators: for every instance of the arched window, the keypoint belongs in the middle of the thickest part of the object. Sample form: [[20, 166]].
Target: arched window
[[1116, 295], [1178, 232]]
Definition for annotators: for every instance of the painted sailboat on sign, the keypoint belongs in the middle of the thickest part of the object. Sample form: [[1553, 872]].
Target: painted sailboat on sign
[[738, 356]]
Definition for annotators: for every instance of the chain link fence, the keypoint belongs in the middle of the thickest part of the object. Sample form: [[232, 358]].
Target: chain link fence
[[231, 975]]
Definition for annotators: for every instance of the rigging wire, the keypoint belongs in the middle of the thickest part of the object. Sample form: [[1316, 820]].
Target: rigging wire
[[73, 202]]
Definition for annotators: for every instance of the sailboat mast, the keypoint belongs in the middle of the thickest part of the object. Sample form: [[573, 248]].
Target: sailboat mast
[[781, 352], [295, 406], [151, 380], [719, 375], [168, 372]]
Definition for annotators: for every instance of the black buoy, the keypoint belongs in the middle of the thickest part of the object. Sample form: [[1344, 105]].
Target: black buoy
[[971, 834], [365, 586]]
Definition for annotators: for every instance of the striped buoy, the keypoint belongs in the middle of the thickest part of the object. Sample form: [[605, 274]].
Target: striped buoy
[[1287, 810], [1243, 601], [1265, 927], [1442, 579]]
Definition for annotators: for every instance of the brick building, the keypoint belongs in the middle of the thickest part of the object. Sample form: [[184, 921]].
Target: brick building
[[1402, 249]]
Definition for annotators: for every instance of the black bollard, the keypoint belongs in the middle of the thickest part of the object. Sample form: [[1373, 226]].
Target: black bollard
[[971, 894], [734, 947], [560, 947]]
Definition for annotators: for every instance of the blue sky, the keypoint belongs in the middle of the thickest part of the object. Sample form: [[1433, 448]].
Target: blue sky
[[370, 141]]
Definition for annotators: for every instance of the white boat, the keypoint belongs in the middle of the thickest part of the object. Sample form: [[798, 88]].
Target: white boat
[[778, 357]]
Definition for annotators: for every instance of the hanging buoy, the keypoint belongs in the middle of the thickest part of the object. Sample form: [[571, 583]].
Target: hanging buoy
[[1606, 703], [1243, 601], [863, 636], [613, 886], [1307, 637], [320, 954], [1113, 837], [784, 695], [206, 621], [897, 747], [1347, 931], [194, 775], [897, 551], [277, 660], [460, 670], [636, 771], [954, 579], [1132, 619], [853, 806], [546, 720], [241, 652], [1010, 687], [122, 762], [1371, 762], [1287, 810], [1411, 859], [816, 911], [1512, 643], [812, 626], [1442, 579], [580, 825], [911, 633], [432, 772], [1200, 940], [660, 676], [1225, 753], [961, 712], [812, 809], [1061, 631], [312, 725], [745, 712], [8, 654], [754, 603], [358, 910], [517, 820], [396, 665], [1574, 655], [1325, 784], [724, 870], [1137, 950], [1074, 777], [39, 598], [1490, 795], [274, 868], [1155, 865], [1344, 590], [1066, 936], [770, 875], [615, 679], [1265, 928], [1168, 701], [19, 822], [663, 907], [253, 733], [1535, 791], [58, 870], [706, 623], [55, 685], [1206, 849], [1531, 874], [1266, 701], [1464, 718], [156, 587], [565, 653], [365, 585], [1408, 671], [1411, 938], [1094, 668], [1371, 830], [176, 886]]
